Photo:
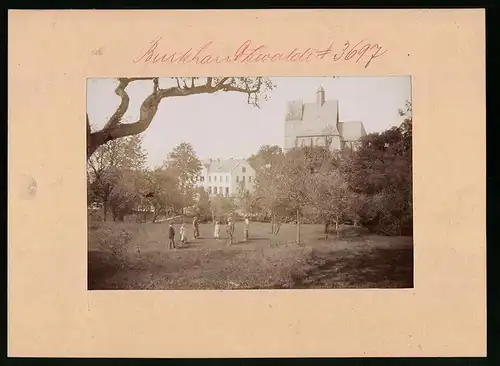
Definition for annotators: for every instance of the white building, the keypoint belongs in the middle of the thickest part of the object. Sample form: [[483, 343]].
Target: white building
[[226, 177]]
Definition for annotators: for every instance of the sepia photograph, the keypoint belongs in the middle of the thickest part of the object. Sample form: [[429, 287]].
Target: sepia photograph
[[248, 183]]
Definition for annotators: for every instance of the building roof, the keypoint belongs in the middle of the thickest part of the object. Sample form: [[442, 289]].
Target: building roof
[[222, 165], [314, 119], [351, 131]]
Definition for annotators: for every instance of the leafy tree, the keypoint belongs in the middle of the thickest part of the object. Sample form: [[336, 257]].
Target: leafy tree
[[281, 188], [185, 165], [222, 207], [255, 88], [203, 205], [246, 202], [330, 198], [110, 175], [382, 171], [124, 195], [266, 155], [161, 191]]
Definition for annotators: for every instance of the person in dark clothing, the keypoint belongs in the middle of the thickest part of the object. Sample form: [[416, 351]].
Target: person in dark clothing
[[230, 231], [196, 229], [171, 237]]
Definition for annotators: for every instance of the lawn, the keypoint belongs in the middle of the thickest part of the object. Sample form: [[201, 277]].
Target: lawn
[[135, 256]]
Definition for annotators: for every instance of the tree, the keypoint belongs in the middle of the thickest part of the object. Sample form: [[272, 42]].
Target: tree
[[267, 154], [107, 169], [222, 206], [203, 206], [382, 171], [161, 191], [330, 198], [246, 201], [268, 195], [186, 166], [255, 88], [319, 159], [281, 188], [124, 195]]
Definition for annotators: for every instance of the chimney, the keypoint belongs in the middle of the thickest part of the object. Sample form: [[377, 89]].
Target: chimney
[[320, 96]]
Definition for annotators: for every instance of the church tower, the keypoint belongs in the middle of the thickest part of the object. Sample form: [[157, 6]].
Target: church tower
[[320, 96]]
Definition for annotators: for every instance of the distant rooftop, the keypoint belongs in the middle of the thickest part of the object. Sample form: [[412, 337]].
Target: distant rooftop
[[222, 165]]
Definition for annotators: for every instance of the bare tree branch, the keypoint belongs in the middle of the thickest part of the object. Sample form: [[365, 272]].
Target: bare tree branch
[[115, 129]]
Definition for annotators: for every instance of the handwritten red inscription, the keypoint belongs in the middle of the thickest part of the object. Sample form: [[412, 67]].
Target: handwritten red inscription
[[248, 52]]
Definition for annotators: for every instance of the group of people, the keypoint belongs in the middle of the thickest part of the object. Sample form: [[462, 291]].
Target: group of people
[[196, 231], [230, 230]]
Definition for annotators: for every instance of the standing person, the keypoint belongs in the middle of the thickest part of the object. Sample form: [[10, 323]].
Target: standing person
[[246, 228], [196, 231], [171, 236], [182, 232], [230, 230], [217, 230]]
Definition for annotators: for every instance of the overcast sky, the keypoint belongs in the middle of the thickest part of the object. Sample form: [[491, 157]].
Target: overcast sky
[[223, 125]]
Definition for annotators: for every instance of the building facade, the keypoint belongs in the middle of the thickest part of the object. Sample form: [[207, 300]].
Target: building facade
[[227, 177], [317, 124]]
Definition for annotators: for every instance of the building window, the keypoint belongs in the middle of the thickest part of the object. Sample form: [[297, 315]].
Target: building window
[[243, 169], [237, 179], [227, 179], [215, 190], [209, 178], [220, 191], [227, 191], [209, 190], [243, 179], [249, 179], [202, 179]]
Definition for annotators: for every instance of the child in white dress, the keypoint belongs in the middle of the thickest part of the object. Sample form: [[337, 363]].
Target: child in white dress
[[182, 232], [217, 230]]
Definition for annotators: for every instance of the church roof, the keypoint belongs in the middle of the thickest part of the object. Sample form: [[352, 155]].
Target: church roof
[[351, 131], [222, 166], [314, 119]]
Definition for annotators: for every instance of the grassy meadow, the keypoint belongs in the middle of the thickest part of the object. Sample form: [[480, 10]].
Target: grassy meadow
[[125, 255]]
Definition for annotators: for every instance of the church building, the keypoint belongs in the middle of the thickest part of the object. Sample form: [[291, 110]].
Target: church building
[[317, 124]]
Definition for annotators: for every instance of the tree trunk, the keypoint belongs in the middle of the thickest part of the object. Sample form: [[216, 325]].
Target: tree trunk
[[298, 227], [105, 210], [337, 227], [327, 224]]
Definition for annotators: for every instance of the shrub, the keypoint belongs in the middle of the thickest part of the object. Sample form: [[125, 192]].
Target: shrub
[[114, 240]]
